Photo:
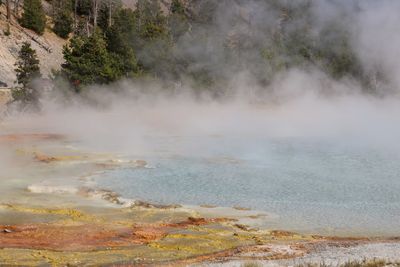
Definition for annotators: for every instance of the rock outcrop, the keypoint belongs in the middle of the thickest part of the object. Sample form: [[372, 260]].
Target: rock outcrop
[[48, 48], [5, 96]]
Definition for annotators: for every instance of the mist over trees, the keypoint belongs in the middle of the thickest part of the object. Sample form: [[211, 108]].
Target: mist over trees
[[200, 42]]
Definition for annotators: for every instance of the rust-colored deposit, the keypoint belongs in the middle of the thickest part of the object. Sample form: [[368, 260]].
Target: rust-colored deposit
[[192, 221], [30, 137], [48, 159], [88, 236], [110, 237], [43, 236], [87, 231]]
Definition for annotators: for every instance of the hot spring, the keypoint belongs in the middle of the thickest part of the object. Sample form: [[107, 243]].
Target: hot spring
[[311, 165], [310, 186]]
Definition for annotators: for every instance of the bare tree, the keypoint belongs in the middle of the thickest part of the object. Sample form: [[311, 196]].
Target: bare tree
[[88, 25], [75, 13], [8, 7], [16, 7], [110, 4], [8, 15], [95, 7], [54, 6]]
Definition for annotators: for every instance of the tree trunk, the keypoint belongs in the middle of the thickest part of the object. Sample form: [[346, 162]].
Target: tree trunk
[[53, 7], [8, 10], [95, 4], [75, 13], [109, 13], [16, 8], [88, 25], [8, 15]]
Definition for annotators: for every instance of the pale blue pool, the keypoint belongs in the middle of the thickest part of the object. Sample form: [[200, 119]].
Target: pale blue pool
[[313, 186]]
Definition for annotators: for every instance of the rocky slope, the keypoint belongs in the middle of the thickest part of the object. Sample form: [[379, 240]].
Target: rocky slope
[[5, 96], [48, 48]]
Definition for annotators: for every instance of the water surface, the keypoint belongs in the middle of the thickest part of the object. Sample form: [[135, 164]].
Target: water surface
[[312, 185]]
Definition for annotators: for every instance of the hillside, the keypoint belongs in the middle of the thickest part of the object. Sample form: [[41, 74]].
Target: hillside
[[48, 46], [50, 58], [132, 4], [202, 42]]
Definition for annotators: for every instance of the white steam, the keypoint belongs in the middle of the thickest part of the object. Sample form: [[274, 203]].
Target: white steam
[[297, 103]]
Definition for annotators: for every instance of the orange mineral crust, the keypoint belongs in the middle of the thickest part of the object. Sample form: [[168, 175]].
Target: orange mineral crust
[[30, 137]]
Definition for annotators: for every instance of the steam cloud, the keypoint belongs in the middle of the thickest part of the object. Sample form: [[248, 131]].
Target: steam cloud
[[299, 102]]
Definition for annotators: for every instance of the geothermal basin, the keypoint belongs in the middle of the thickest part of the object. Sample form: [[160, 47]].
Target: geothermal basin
[[147, 195], [304, 185]]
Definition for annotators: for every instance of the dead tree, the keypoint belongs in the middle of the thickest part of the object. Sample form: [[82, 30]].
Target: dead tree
[[111, 5], [95, 8], [8, 15], [16, 7], [76, 2], [8, 7], [110, 2]]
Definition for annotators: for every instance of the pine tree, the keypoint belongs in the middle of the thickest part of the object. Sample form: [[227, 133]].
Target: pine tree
[[87, 61], [34, 17], [8, 14], [177, 7], [107, 12], [153, 43], [27, 69], [120, 39], [63, 21], [177, 20], [83, 7], [151, 22]]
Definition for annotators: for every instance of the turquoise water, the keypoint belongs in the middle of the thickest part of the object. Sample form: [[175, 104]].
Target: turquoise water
[[322, 186]]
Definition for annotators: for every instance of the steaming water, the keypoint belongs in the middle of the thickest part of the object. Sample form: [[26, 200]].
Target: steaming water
[[313, 186]]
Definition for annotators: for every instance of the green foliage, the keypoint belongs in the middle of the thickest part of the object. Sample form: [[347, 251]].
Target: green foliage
[[27, 65], [7, 32], [87, 61], [204, 12], [122, 33], [84, 7], [337, 55], [27, 69], [251, 264], [297, 45], [362, 263], [33, 17], [120, 38], [103, 20], [103, 17], [192, 42], [151, 23], [177, 7], [177, 20], [63, 23], [152, 41], [366, 263]]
